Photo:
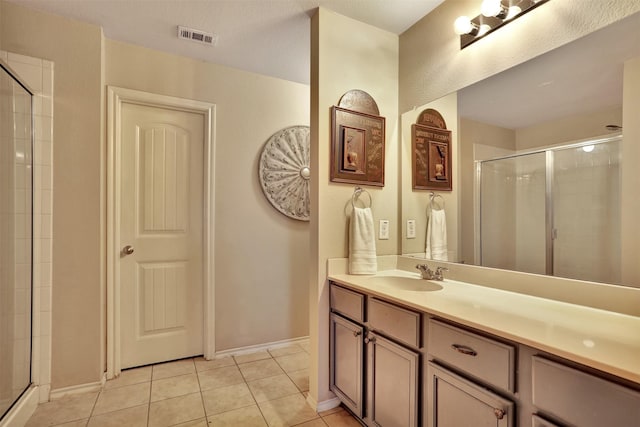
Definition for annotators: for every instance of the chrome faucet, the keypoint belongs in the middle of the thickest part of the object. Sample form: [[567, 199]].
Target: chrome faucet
[[426, 272], [429, 274], [439, 274]]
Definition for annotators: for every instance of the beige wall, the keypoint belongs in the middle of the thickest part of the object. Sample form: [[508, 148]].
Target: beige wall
[[1, 32], [261, 256], [77, 335], [432, 64], [345, 55]]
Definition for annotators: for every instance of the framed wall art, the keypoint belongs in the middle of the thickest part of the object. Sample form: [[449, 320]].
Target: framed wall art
[[357, 147], [431, 153]]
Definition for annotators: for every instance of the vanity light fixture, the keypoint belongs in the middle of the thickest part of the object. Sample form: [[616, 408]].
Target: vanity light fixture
[[493, 15]]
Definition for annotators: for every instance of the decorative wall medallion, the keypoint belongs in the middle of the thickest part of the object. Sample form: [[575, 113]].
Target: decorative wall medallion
[[284, 171]]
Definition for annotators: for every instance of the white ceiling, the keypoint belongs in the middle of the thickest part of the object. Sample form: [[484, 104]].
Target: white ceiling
[[270, 37]]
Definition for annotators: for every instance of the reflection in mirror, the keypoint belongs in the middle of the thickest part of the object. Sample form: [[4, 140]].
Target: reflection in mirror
[[552, 204], [553, 212]]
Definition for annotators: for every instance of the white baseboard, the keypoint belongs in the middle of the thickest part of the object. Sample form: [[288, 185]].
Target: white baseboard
[[45, 393], [22, 411], [258, 347], [77, 389], [325, 405]]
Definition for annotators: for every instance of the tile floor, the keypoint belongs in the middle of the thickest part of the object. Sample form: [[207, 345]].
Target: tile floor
[[265, 388]]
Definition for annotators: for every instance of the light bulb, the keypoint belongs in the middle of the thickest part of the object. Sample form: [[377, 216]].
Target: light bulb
[[484, 29], [513, 12], [491, 8], [463, 25], [588, 148]]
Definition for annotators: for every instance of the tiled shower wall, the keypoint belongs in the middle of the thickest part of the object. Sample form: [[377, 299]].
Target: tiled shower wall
[[37, 74]]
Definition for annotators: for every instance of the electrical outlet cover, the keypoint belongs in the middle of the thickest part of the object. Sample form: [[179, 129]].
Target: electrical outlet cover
[[411, 229], [383, 230]]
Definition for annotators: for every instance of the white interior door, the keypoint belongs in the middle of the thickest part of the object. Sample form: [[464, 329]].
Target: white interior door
[[161, 234]]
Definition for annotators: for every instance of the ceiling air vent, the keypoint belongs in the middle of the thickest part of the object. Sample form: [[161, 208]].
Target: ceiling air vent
[[197, 35]]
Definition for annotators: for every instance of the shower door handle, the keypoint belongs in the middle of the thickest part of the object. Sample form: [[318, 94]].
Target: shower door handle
[[127, 250]]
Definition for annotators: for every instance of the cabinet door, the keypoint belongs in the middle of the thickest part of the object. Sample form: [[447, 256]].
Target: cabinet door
[[346, 362], [456, 402], [393, 383]]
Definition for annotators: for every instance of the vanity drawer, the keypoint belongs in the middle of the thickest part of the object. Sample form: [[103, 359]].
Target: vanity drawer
[[347, 302], [581, 399], [396, 322], [486, 359]]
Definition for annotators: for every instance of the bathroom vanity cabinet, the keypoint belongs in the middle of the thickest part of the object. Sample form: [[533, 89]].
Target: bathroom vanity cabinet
[[375, 358], [395, 366]]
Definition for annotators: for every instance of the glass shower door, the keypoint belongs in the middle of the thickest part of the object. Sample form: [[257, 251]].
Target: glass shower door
[[15, 239], [512, 213], [586, 212]]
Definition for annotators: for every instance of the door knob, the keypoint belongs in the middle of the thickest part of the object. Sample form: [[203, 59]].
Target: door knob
[[127, 250]]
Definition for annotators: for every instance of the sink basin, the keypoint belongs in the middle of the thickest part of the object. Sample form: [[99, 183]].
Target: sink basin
[[405, 283]]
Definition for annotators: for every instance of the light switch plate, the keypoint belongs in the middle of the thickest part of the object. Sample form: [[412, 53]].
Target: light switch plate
[[383, 229], [411, 229]]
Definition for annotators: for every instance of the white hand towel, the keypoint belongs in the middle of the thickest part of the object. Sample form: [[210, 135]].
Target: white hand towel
[[437, 236], [362, 242]]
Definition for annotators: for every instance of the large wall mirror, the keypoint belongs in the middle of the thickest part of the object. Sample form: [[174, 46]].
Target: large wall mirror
[[538, 162]]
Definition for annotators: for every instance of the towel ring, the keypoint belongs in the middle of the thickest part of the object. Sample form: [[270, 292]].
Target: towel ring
[[356, 194], [432, 198]]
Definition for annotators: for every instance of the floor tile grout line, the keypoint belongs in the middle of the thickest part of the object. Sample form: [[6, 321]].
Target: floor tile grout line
[[294, 383], [93, 407], [150, 391], [204, 408], [266, 422]]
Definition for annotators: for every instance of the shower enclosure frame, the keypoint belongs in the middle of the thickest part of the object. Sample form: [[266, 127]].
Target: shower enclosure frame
[[550, 230], [13, 75]]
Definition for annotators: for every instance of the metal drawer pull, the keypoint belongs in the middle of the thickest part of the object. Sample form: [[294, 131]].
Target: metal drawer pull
[[369, 339], [357, 333], [464, 349], [499, 413]]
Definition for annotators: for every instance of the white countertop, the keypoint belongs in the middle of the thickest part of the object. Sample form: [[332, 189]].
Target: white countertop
[[605, 340]]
